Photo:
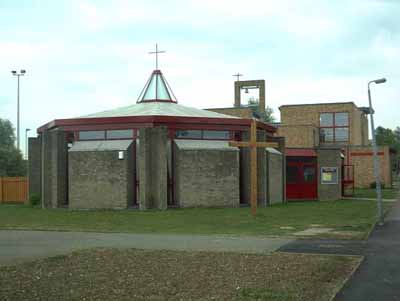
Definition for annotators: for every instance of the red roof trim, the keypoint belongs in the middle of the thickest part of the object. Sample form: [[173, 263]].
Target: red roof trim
[[85, 123], [300, 152]]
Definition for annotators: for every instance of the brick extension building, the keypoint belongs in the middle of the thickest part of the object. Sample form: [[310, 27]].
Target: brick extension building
[[303, 179], [314, 127], [152, 154], [327, 149]]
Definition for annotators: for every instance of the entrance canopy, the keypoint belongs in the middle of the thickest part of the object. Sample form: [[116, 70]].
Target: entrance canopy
[[300, 152]]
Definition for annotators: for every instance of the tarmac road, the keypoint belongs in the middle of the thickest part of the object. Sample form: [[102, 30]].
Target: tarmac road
[[21, 246]]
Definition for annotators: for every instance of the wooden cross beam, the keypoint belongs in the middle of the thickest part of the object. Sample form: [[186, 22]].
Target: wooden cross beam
[[253, 144]]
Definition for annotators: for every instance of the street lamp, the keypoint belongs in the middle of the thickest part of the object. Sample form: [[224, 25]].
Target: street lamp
[[26, 143], [15, 73], [375, 150]]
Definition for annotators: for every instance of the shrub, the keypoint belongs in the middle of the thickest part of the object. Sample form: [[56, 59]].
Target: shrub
[[34, 199], [373, 185]]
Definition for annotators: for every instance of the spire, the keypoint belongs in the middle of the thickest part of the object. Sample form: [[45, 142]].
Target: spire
[[157, 89]]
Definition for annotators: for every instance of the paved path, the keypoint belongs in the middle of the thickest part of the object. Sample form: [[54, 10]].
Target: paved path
[[325, 246], [20, 246], [378, 277]]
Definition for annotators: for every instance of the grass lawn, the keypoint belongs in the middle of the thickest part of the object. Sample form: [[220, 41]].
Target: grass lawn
[[346, 218], [111, 274], [388, 193]]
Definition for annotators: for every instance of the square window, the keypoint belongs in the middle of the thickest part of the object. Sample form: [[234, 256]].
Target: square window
[[341, 134], [326, 135], [326, 119], [342, 119]]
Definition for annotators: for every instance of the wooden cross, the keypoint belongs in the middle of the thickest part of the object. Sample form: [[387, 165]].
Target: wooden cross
[[253, 144], [156, 53]]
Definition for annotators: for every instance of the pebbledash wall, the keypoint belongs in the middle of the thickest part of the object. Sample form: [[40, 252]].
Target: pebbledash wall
[[91, 174], [331, 158], [206, 174], [101, 174], [275, 178]]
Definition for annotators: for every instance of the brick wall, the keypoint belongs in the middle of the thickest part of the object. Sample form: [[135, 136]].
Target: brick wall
[[309, 115], [299, 135], [362, 159], [238, 112]]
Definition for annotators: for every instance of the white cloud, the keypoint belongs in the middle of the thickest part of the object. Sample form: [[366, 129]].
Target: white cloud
[[318, 54]]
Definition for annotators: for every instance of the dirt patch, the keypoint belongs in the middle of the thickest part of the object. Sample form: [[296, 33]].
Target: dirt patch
[[107, 274], [313, 231]]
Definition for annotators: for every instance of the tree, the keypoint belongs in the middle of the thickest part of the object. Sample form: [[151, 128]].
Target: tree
[[267, 115], [11, 161], [392, 138], [385, 137]]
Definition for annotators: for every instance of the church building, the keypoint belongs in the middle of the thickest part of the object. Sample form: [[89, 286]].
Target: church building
[[152, 154]]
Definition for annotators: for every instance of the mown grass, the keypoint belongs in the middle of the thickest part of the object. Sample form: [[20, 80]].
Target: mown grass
[[277, 220], [388, 193]]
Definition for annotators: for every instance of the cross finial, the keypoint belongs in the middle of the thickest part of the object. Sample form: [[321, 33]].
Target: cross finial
[[237, 75], [156, 53]]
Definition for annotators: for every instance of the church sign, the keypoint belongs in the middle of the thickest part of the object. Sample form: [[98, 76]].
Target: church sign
[[329, 175]]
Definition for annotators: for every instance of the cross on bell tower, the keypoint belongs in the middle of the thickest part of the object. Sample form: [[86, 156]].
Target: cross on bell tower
[[156, 53], [237, 75]]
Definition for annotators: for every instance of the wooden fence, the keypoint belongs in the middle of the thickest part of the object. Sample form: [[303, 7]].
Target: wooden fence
[[13, 190]]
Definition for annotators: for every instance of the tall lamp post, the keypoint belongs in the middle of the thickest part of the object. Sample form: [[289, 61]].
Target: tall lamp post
[[375, 151], [18, 74]]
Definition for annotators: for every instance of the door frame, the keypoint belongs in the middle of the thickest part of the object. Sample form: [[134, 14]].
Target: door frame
[[300, 185]]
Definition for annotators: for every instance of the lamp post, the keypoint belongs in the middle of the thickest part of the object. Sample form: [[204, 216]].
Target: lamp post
[[18, 74], [26, 143], [375, 151]]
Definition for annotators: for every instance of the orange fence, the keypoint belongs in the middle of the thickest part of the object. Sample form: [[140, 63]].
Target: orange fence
[[13, 189]]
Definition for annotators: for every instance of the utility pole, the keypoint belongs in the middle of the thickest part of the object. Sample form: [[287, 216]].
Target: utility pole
[[375, 151], [15, 73]]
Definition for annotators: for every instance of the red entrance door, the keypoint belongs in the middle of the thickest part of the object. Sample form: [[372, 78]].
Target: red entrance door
[[301, 180]]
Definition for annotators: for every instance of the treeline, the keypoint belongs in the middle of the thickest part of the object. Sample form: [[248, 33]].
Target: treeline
[[11, 161]]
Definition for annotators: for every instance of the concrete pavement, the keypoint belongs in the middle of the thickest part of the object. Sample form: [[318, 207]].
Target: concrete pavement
[[20, 246]]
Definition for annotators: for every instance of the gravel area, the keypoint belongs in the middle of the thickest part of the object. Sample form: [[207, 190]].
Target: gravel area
[[131, 274]]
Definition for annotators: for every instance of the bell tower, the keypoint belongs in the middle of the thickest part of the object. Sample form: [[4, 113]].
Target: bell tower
[[250, 84]]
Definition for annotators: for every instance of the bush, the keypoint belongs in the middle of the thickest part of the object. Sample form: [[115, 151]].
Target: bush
[[34, 199], [373, 185]]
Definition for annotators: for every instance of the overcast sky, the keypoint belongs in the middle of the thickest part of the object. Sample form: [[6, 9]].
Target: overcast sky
[[87, 56]]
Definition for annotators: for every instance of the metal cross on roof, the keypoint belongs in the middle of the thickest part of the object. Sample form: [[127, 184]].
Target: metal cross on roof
[[237, 75], [156, 53]]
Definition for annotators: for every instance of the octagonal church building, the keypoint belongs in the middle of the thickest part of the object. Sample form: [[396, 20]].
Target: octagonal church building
[[155, 153]]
